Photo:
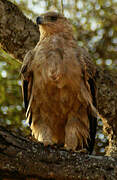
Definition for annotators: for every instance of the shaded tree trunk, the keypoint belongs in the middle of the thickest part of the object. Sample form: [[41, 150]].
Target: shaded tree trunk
[[24, 157], [17, 33]]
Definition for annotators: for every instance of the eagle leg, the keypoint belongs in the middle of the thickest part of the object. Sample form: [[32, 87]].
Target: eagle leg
[[42, 133], [76, 134]]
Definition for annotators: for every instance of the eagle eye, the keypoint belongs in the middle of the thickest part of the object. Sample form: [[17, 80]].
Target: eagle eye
[[53, 18]]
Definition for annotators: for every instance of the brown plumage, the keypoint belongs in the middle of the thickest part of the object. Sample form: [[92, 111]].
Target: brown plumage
[[59, 87]]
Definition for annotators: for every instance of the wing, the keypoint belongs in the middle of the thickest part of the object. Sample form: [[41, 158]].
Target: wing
[[92, 119], [27, 82], [89, 72]]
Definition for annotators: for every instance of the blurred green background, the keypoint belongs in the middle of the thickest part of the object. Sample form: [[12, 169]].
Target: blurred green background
[[95, 27]]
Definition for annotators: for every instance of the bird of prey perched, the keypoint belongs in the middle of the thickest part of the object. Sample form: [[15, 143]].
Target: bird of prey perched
[[59, 88]]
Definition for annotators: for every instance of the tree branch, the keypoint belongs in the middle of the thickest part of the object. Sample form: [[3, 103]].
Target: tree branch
[[20, 158], [18, 34]]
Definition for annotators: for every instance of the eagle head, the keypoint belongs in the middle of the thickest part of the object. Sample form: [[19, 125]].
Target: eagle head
[[52, 23]]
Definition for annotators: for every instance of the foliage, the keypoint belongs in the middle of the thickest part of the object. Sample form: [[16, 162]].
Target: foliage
[[10, 91], [95, 27]]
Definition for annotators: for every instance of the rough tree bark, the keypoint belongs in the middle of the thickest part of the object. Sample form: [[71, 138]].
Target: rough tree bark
[[22, 157]]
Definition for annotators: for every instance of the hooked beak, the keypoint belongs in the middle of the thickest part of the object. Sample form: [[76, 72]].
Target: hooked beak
[[39, 20]]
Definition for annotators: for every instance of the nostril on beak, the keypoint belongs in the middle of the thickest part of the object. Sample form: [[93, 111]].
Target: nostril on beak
[[39, 20]]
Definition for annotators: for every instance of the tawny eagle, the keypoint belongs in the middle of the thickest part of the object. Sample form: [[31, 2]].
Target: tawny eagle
[[59, 87]]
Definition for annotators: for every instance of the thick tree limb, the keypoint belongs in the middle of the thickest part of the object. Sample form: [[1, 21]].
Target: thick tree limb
[[18, 155], [17, 33], [107, 106], [21, 158]]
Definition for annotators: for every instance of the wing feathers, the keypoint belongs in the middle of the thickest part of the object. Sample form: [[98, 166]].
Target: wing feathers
[[27, 83], [29, 105], [25, 93], [90, 94]]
